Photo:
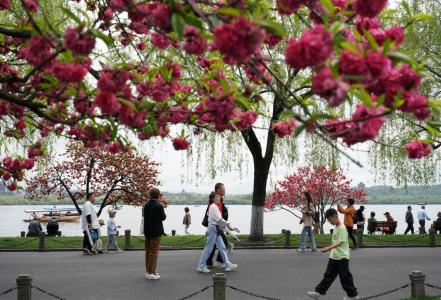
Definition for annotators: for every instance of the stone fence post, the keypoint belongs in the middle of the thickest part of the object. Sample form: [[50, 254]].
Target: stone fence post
[[287, 234], [127, 239], [417, 288], [219, 283], [24, 284], [432, 237], [42, 237], [359, 234]]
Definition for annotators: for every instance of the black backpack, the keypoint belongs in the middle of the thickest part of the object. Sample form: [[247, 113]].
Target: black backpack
[[316, 217]]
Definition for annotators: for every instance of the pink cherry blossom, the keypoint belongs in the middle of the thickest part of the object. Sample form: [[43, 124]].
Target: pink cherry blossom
[[334, 90], [79, 43], [288, 7], [238, 40], [246, 119], [194, 43], [4, 4], [369, 8], [416, 104], [284, 128], [417, 149], [107, 102], [31, 5], [70, 72], [159, 40], [180, 143], [313, 48]]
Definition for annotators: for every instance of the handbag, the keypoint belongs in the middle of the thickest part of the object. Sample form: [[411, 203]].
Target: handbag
[[94, 235], [205, 221]]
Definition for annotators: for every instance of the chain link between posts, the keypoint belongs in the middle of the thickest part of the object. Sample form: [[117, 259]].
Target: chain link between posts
[[24, 243], [252, 294], [433, 286], [8, 291], [196, 293], [385, 293], [47, 293]]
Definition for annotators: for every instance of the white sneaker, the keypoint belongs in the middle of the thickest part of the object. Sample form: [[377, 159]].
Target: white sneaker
[[204, 270], [315, 295], [231, 267], [218, 265], [301, 250], [152, 276], [350, 298]]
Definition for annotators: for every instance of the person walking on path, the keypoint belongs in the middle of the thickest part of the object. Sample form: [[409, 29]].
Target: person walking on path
[[338, 263], [422, 217], [216, 225], [89, 224], [409, 220], [219, 189], [154, 215], [187, 220], [308, 212], [112, 231], [361, 219], [349, 213]]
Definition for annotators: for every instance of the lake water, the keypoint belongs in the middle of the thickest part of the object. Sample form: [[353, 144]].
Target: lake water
[[11, 218]]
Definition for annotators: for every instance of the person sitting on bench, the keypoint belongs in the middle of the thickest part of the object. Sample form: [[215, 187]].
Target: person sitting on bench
[[389, 230], [34, 228], [52, 227]]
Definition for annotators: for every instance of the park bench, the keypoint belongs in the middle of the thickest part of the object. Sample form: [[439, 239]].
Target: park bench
[[381, 225]]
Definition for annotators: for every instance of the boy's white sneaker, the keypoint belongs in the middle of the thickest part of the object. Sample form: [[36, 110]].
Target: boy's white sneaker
[[218, 265], [301, 250], [315, 295], [351, 298], [152, 276], [204, 270], [231, 267]]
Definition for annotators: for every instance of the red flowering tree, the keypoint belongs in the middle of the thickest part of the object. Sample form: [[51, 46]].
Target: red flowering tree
[[326, 187], [101, 71], [122, 176]]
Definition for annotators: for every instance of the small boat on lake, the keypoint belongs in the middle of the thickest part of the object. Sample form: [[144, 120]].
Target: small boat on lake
[[65, 214]]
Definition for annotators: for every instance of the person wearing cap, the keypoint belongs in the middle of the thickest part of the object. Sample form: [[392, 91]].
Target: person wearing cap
[[409, 220], [388, 230], [112, 232]]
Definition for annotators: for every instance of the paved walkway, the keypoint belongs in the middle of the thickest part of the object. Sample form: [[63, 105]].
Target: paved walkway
[[282, 274]]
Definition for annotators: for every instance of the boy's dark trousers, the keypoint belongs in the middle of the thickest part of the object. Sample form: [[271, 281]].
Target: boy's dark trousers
[[334, 268]]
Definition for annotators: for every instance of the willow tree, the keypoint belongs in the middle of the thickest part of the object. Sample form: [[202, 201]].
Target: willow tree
[[111, 68]]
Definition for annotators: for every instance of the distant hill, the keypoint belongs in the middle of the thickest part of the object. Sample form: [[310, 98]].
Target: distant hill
[[376, 195]]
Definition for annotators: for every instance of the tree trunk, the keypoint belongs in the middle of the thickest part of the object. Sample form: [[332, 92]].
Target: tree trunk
[[259, 194]]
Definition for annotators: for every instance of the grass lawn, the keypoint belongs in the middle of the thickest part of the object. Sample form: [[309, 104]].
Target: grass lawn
[[427, 298], [199, 240]]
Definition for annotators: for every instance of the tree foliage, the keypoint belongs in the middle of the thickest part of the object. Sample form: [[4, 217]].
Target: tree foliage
[[326, 186], [124, 176]]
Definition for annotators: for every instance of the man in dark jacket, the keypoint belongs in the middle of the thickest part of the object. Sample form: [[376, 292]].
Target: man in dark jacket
[[153, 230], [52, 227], [409, 220], [219, 188]]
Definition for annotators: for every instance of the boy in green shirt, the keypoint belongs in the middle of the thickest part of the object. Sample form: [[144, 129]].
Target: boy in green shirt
[[338, 261]]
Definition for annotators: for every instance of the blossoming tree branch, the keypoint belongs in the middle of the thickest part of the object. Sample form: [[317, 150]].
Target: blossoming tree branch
[[99, 71]]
